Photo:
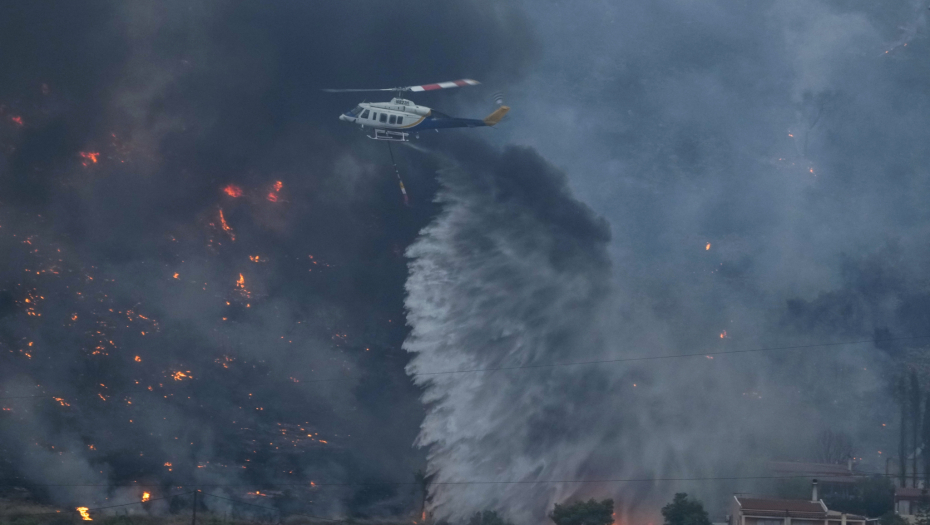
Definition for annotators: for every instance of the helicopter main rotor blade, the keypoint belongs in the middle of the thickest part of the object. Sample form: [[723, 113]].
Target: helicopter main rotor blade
[[444, 85], [359, 90], [425, 87]]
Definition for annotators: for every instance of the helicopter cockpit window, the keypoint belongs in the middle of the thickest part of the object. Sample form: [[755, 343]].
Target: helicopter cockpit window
[[365, 114], [393, 119], [357, 110], [384, 117]]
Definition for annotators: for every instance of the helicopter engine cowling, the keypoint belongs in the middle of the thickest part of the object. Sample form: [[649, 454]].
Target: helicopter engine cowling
[[417, 110]]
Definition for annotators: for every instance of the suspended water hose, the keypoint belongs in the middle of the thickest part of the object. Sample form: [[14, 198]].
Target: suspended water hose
[[397, 172]]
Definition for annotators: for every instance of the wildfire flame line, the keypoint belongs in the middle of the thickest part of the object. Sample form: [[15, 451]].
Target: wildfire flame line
[[85, 515], [226, 227]]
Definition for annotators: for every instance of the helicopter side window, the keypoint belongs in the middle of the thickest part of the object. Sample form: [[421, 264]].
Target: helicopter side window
[[400, 120], [383, 117], [365, 114], [393, 119]]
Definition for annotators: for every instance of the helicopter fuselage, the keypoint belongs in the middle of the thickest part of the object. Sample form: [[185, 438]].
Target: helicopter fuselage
[[394, 120]]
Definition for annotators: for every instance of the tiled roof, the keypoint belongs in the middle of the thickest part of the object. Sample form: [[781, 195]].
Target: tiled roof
[[781, 505], [910, 492]]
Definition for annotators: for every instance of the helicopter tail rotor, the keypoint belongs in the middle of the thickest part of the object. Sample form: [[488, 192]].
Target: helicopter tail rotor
[[496, 117]]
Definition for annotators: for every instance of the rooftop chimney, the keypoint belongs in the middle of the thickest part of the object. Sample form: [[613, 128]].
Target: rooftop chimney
[[814, 497]]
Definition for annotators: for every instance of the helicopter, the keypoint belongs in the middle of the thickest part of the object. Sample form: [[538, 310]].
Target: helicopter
[[397, 119]]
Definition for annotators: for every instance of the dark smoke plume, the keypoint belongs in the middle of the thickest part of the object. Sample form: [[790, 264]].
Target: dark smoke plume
[[202, 269]]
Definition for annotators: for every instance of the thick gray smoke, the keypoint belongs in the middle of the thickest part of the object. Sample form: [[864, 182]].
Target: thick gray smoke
[[200, 262], [514, 273], [763, 169]]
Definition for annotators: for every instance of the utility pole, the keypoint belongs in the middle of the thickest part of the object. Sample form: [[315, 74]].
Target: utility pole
[[194, 516]]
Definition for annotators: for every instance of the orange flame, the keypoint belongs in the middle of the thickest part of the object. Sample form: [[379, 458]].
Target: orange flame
[[91, 156], [138, 359], [180, 376], [233, 191], [707, 247], [272, 197], [226, 227], [62, 401], [146, 496], [723, 334], [84, 514]]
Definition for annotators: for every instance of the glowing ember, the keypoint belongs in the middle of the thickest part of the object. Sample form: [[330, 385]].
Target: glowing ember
[[272, 197], [61, 401], [707, 247], [278, 185], [138, 359], [146, 496], [89, 156], [84, 514], [233, 191], [254, 258], [180, 376], [175, 275], [17, 120], [723, 334], [226, 227]]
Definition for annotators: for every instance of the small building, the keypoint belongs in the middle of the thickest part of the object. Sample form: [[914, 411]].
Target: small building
[[754, 510], [908, 499]]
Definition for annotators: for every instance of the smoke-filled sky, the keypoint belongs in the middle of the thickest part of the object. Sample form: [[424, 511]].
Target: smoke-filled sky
[[209, 281]]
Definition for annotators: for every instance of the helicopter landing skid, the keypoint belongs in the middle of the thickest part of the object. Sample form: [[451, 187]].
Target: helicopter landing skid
[[394, 136]]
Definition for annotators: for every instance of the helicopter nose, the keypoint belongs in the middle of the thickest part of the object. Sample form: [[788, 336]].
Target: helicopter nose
[[343, 117]]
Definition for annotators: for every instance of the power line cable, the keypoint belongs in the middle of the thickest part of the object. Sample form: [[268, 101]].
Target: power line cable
[[821, 475], [593, 362]]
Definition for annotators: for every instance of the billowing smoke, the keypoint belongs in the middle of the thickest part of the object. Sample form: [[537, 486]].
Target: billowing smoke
[[202, 269], [513, 274], [762, 169]]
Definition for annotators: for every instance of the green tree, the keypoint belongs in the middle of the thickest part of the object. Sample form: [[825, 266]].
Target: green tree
[[922, 516], [890, 518], [589, 512], [685, 511], [488, 517], [873, 496]]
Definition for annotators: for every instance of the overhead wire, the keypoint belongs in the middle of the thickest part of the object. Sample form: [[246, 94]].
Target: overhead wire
[[822, 475]]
